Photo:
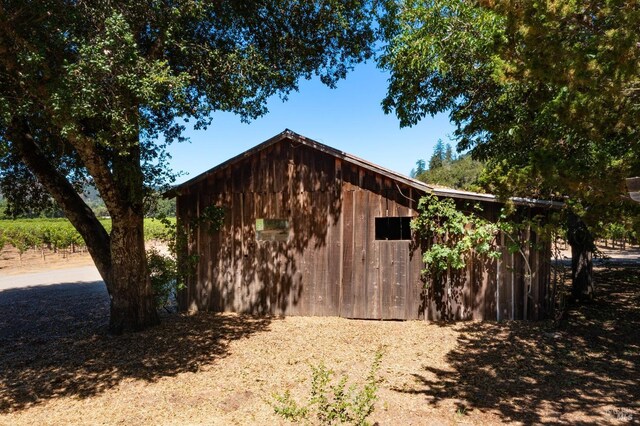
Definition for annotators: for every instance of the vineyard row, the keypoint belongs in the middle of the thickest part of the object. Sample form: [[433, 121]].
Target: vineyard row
[[58, 234]]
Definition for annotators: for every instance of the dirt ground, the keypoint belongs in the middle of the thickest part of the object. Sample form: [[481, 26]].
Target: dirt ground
[[12, 263], [59, 366]]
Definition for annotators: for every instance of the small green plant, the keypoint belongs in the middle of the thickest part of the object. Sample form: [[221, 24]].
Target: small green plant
[[331, 402], [286, 407], [461, 412], [164, 274]]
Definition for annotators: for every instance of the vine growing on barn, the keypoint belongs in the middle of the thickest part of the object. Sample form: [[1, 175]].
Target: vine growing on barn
[[454, 235]]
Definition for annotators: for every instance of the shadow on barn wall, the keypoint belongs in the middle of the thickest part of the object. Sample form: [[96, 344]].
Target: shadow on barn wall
[[238, 271], [333, 263]]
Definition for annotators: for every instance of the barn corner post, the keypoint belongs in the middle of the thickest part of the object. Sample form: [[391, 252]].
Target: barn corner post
[[499, 281]]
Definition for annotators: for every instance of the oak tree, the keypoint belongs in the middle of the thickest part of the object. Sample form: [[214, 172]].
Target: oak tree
[[547, 91], [91, 92]]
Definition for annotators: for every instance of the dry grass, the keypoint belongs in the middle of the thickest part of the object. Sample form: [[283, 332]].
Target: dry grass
[[58, 366]]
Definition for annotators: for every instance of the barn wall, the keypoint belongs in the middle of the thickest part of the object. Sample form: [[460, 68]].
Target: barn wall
[[331, 263], [239, 273]]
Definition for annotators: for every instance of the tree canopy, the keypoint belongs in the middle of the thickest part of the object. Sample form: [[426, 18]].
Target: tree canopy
[[548, 92], [88, 89]]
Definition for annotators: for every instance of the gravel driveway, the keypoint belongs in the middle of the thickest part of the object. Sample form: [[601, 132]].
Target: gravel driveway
[[57, 276], [46, 305]]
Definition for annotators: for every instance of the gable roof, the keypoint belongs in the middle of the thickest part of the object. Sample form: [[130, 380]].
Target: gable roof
[[414, 183]]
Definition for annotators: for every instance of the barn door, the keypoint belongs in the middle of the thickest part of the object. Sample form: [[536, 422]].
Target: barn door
[[360, 278], [394, 279], [377, 274]]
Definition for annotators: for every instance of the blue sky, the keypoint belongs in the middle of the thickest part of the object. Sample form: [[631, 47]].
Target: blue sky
[[348, 118]]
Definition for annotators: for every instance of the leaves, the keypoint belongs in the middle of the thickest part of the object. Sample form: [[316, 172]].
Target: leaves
[[107, 79], [90, 92], [546, 91], [453, 235], [330, 401], [60, 234]]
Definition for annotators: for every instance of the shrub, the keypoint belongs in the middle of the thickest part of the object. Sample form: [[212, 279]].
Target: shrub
[[330, 402], [163, 271]]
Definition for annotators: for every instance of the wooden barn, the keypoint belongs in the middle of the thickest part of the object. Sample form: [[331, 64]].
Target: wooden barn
[[310, 230]]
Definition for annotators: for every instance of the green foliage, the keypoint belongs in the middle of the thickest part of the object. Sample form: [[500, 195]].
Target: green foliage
[[437, 158], [212, 216], [158, 206], [164, 277], [285, 406], [330, 402], [22, 195], [59, 234], [107, 77], [93, 93], [420, 168], [56, 234], [155, 229], [626, 230], [445, 169], [452, 235], [95, 203], [178, 236], [547, 91], [460, 173]]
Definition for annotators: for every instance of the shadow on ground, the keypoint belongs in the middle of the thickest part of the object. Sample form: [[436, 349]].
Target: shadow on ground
[[54, 343], [586, 372]]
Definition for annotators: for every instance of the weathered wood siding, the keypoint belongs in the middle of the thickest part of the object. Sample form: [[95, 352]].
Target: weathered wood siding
[[331, 264]]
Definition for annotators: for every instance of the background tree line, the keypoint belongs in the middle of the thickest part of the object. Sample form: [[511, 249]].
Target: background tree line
[[450, 170]]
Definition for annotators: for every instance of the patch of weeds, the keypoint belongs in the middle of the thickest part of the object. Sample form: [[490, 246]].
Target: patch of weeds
[[461, 412], [286, 407], [163, 272], [330, 402]]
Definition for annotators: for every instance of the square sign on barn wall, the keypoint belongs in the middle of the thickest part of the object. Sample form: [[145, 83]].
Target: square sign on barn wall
[[272, 229]]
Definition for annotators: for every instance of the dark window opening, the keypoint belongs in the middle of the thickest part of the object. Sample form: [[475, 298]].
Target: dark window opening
[[393, 228]]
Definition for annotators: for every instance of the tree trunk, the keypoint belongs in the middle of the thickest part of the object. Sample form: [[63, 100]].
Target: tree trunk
[[582, 246], [132, 301], [76, 210], [121, 256]]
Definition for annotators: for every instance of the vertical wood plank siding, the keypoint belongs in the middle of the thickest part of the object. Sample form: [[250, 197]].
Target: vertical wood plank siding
[[331, 263]]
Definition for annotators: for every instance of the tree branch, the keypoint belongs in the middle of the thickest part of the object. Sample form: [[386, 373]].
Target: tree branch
[[76, 210], [102, 176]]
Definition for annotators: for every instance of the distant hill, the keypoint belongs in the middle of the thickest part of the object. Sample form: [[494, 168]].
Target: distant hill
[[458, 173]]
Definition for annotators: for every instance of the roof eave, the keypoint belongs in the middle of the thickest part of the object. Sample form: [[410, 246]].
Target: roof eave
[[414, 183]]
